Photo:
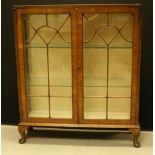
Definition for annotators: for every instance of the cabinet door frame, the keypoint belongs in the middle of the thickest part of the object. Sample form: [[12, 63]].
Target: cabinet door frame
[[18, 27], [134, 112]]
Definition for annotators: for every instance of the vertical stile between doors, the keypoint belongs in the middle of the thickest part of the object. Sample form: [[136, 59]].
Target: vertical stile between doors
[[74, 45], [80, 65]]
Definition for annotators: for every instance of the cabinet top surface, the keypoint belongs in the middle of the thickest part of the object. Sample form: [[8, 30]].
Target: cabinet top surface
[[76, 5]]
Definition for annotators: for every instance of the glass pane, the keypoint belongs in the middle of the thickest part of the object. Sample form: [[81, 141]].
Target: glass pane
[[36, 66], [94, 108], [36, 82], [62, 90], [37, 90], [37, 106], [95, 67], [119, 91], [60, 66], [119, 108], [124, 23], [107, 61], [120, 66], [94, 91], [61, 107], [47, 44]]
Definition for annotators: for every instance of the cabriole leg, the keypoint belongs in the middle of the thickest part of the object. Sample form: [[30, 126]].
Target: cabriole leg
[[135, 132], [22, 129]]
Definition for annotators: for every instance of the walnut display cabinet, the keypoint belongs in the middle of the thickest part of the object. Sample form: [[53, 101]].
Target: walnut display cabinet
[[78, 66]]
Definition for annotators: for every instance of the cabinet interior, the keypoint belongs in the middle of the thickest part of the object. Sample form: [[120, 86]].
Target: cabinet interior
[[107, 65]]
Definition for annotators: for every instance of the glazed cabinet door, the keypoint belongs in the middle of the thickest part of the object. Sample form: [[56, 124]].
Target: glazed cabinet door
[[109, 53], [46, 63]]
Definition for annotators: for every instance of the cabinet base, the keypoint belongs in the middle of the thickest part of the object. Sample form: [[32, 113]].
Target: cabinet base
[[25, 126]]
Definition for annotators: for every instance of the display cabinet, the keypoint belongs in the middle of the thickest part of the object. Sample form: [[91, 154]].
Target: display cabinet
[[78, 66]]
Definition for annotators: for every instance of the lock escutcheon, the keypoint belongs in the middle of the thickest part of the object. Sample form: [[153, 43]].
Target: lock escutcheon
[[79, 67]]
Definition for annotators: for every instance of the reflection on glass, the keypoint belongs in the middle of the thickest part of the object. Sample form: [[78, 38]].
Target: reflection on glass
[[47, 43], [107, 59]]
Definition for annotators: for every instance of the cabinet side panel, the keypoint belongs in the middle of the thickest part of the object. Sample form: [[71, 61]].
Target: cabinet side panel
[[17, 64], [20, 64], [136, 66]]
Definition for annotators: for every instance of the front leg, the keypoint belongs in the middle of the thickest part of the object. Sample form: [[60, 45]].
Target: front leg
[[135, 132], [22, 129]]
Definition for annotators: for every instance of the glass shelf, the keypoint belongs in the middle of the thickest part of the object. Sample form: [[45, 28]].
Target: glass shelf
[[28, 95], [71, 86], [85, 45], [102, 115], [105, 97], [101, 45], [61, 82], [45, 114]]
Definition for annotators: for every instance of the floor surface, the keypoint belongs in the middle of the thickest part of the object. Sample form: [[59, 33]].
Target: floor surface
[[69, 142]]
